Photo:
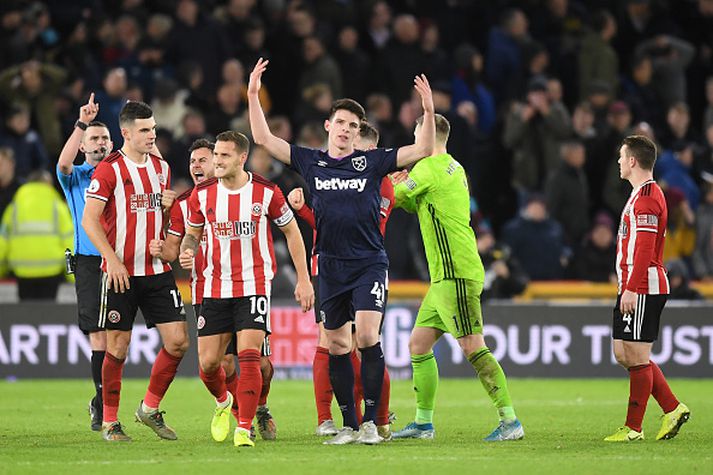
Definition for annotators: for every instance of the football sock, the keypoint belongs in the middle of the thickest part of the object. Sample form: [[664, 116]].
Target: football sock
[[248, 387], [231, 383], [267, 373], [425, 384], [372, 377], [162, 373], [111, 386], [641, 381], [382, 411], [661, 390], [492, 377], [341, 375], [322, 387], [97, 361], [358, 387], [216, 384]]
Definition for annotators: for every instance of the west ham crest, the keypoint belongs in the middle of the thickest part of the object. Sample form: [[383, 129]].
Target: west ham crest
[[359, 163]]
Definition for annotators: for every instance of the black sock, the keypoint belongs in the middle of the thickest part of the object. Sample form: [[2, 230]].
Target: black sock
[[97, 361], [372, 379], [341, 375]]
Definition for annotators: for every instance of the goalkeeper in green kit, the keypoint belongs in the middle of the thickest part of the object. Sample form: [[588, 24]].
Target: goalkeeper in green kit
[[437, 189]]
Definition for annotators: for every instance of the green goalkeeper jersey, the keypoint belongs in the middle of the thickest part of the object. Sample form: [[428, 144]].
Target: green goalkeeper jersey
[[437, 189]]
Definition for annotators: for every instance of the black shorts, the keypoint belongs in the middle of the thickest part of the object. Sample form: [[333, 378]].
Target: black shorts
[[232, 315], [643, 325], [319, 316], [346, 287], [156, 295], [88, 283], [232, 348]]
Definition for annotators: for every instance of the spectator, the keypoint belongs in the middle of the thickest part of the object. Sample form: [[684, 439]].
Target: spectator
[[670, 57], [680, 228], [169, 106], [320, 67], [595, 150], [229, 108], [703, 254], [112, 98], [504, 278], [35, 230], [436, 62], [600, 98], [316, 104], [254, 43], [679, 281], [25, 143], [380, 112], [567, 192], [679, 128], [354, 64], [675, 168], [503, 63], [378, 31], [537, 241], [468, 85], [534, 131], [594, 261], [197, 37], [36, 85], [8, 180], [597, 58], [638, 91], [401, 60], [190, 77]]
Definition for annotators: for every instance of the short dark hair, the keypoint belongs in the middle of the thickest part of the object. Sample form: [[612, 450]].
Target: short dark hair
[[348, 105], [642, 149], [201, 143], [133, 110], [96, 123], [368, 132], [443, 127], [242, 144]]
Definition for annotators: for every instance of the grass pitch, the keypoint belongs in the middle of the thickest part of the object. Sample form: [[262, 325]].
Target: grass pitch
[[44, 428]]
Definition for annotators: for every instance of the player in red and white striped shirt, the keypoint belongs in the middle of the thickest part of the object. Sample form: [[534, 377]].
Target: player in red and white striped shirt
[[235, 209], [200, 166], [129, 201], [643, 288]]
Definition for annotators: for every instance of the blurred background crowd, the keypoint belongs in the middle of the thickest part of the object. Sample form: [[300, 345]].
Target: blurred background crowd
[[539, 94]]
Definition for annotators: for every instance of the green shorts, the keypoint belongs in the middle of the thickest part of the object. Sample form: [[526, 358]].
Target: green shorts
[[452, 306]]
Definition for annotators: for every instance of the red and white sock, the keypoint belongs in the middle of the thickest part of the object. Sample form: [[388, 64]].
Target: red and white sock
[[640, 384], [248, 387], [322, 387], [661, 390], [111, 386], [162, 373]]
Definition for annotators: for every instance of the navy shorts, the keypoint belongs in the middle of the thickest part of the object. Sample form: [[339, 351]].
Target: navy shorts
[[350, 286]]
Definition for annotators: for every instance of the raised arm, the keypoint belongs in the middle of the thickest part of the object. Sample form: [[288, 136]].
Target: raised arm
[[87, 113], [296, 198], [304, 293], [277, 147], [117, 275], [423, 147]]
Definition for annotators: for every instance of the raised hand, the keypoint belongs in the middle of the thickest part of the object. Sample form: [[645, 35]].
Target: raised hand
[[89, 111], [422, 86], [296, 198], [255, 82]]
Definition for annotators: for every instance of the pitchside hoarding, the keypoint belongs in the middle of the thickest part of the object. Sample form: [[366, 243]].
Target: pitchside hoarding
[[43, 341]]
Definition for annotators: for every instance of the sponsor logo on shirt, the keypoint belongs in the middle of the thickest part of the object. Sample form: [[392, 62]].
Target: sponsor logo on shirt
[[234, 229], [647, 220], [335, 184], [93, 186], [143, 202]]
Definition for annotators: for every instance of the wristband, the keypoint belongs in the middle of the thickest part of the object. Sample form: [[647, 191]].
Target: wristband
[[81, 125]]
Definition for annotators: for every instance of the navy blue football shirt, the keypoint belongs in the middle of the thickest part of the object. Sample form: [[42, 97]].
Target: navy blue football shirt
[[346, 199]]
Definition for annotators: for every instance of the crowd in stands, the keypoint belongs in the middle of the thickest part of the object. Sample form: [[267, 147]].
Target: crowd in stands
[[539, 94]]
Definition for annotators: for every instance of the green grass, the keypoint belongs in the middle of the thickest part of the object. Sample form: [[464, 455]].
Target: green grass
[[44, 429]]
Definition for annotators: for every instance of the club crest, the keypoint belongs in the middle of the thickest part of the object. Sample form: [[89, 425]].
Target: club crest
[[359, 163]]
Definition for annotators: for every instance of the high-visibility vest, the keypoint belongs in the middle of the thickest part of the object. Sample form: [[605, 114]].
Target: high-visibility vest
[[35, 230]]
